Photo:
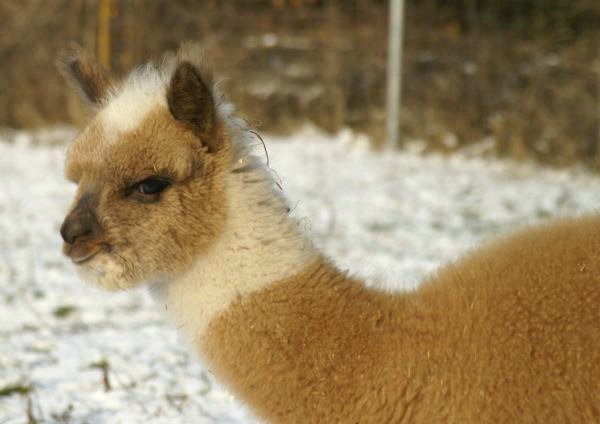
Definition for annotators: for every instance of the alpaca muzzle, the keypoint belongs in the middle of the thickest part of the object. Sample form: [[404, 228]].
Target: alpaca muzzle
[[81, 232]]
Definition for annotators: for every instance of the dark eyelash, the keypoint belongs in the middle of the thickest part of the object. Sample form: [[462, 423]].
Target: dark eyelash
[[151, 186]]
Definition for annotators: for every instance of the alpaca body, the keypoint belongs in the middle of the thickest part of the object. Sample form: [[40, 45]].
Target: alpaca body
[[508, 334], [168, 194]]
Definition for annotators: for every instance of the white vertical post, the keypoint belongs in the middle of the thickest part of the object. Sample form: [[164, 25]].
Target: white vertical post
[[394, 80], [598, 112]]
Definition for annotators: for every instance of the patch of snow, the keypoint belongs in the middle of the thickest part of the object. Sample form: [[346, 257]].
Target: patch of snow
[[391, 217]]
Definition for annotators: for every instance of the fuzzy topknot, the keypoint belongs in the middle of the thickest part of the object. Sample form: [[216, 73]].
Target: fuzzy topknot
[[121, 105], [155, 75], [145, 88]]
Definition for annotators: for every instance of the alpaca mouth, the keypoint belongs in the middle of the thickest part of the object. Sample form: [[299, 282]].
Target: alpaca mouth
[[82, 252]]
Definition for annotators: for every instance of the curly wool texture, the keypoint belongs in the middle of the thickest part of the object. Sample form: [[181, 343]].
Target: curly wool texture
[[510, 333]]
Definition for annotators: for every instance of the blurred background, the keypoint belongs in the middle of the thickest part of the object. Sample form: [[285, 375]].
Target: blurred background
[[521, 76], [500, 128]]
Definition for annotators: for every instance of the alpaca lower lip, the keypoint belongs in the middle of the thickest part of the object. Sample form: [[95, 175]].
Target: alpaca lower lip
[[83, 252], [78, 260]]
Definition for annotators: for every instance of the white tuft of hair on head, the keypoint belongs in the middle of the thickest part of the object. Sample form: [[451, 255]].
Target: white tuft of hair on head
[[144, 90], [140, 93]]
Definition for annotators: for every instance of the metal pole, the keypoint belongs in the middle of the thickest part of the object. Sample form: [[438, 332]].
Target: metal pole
[[394, 82]]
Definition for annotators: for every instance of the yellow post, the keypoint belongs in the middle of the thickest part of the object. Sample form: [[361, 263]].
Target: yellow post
[[103, 40]]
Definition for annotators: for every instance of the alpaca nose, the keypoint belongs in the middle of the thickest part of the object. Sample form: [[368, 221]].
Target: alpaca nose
[[81, 222], [73, 228]]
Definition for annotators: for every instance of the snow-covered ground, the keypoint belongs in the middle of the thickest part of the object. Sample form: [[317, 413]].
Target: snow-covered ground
[[81, 355]]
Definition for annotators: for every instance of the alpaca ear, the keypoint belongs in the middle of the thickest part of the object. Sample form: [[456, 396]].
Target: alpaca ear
[[190, 101], [84, 74]]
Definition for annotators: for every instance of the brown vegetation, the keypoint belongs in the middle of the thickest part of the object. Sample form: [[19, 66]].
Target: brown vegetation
[[526, 75]]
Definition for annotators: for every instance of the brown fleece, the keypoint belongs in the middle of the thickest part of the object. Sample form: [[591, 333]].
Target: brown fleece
[[510, 333]]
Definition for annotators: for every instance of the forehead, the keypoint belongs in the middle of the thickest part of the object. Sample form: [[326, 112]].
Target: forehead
[[143, 92], [123, 150]]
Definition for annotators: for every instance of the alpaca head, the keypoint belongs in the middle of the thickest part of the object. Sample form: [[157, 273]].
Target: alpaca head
[[149, 168]]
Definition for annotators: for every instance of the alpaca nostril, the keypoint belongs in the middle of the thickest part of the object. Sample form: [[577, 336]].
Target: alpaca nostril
[[72, 229], [81, 221]]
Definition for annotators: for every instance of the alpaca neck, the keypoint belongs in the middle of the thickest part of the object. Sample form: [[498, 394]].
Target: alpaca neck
[[259, 246], [302, 349]]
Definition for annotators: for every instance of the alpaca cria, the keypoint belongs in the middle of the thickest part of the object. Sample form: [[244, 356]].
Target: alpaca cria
[[169, 195]]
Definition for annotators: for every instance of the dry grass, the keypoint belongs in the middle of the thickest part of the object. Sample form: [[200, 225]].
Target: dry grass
[[284, 63]]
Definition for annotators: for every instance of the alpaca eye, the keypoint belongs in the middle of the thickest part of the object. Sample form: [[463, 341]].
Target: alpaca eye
[[152, 186]]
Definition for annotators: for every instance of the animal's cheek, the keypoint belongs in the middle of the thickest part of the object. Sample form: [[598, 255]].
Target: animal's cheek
[[116, 232]]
